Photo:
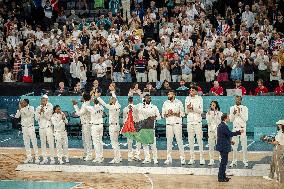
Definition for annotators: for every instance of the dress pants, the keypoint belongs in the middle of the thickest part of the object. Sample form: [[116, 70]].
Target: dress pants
[[223, 165]]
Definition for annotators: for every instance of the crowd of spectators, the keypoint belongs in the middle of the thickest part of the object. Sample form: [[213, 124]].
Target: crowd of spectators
[[142, 41]]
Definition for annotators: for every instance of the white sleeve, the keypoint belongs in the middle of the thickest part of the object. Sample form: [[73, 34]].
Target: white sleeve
[[199, 109], [208, 117], [164, 110], [158, 115], [18, 114], [232, 116], [81, 111], [186, 104], [181, 109], [102, 102], [244, 114]]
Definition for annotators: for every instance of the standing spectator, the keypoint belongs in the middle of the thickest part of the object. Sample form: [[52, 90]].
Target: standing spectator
[[152, 69], [127, 68], [176, 68], [280, 89], [7, 75], [248, 18], [165, 88], [165, 73], [58, 73], [237, 70], [262, 62], [101, 69], [83, 76], [275, 67], [141, 69], [61, 91], [198, 70], [26, 71], [261, 89], [223, 71], [37, 68], [134, 90], [209, 66], [48, 15], [75, 67], [48, 73], [186, 69], [248, 67], [217, 90], [117, 68]]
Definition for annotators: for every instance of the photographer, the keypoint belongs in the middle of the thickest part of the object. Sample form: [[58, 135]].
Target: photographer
[[277, 165]]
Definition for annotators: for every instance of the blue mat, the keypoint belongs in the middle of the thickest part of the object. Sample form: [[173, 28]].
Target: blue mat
[[12, 184]]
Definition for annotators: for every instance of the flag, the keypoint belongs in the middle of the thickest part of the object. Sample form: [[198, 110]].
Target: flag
[[54, 4], [142, 131], [37, 3], [226, 29]]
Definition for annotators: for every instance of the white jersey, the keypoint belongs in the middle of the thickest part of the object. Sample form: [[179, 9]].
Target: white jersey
[[84, 114], [177, 107], [27, 116], [240, 118], [280, 137], [147, 110], [58, 122], [44, 118], [114, 110], [197, 105], [213, 119], [96, 112]]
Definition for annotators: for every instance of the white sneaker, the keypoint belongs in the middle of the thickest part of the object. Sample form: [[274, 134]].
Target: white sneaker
[[44, 161], [146, 161], [191, 161], [88, 158], [202, 161], [245, 164], [37, 160], [67, 159], [211, 162], [168, 161], [137, 158], [114, 161], [52, 161], [60, 161], [100, 160], [28, 160], [267, 178], [182, 161], [233, 164], [155, 161]]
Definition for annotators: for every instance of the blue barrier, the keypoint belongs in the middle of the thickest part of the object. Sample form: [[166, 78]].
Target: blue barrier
[[264, 111]]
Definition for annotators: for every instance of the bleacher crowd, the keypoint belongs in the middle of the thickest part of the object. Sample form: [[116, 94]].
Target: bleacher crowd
[[142, 41]]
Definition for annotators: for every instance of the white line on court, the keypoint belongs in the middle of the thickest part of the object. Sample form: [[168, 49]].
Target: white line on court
[[152, 185]]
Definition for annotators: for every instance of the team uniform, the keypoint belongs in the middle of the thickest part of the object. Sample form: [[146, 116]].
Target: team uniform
[[213, 119], [85, 117], [97, 129], [114, 128], [46, 131], [131, 151], [239, 122], [59, 121], [174, 128], [194, 126], [143, 112], [28, 130]]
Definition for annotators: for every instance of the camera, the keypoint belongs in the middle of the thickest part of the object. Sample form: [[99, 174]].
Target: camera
[[267, 138]]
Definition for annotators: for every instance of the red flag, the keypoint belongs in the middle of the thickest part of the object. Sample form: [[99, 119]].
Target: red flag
[[129, 124], [54, 4]]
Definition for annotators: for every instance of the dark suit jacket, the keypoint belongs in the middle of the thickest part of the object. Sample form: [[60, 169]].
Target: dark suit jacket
[[224, 137]]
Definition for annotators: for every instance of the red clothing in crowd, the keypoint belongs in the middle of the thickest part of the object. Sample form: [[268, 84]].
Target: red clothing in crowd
[[259, 90], [218, 91], [199, 89], [244, 91], [279, 90]]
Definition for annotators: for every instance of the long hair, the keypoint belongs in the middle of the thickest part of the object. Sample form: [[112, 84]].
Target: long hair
[[217, 104]]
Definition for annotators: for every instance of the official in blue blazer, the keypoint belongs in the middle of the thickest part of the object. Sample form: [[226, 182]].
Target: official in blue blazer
[[224, 142]]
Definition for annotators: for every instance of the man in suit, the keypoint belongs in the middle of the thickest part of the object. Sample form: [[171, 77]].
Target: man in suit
[[224, 142]]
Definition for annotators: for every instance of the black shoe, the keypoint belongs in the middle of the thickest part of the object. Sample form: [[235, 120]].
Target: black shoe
[[228, 178], [224, 180]]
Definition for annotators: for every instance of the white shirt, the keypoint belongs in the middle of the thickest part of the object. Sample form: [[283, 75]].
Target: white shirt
[[213, 119], [177, 107], [27, 116], [248, 18], [196, 102], [44, 118], [228, 52], [114, 110], [262, 62], [280, 137], [153, 63], [101, 69], [240, 118], [84, 114], [147, 110], [97, 112], [58, 122], [75, 69]]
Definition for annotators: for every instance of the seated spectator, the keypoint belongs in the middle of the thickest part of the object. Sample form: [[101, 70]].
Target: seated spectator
[[261, 89], [61, 91], [238, 84], [116, 90], [134, 90], [182, 90], [199, 91], [149, 89], [95, 88], [77, 90], [279, 91], [165, 88], [216, 90], [7, 75]]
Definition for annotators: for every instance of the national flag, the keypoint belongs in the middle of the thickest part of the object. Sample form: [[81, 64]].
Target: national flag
[[54, 4], [142, 131], [226, 29]]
